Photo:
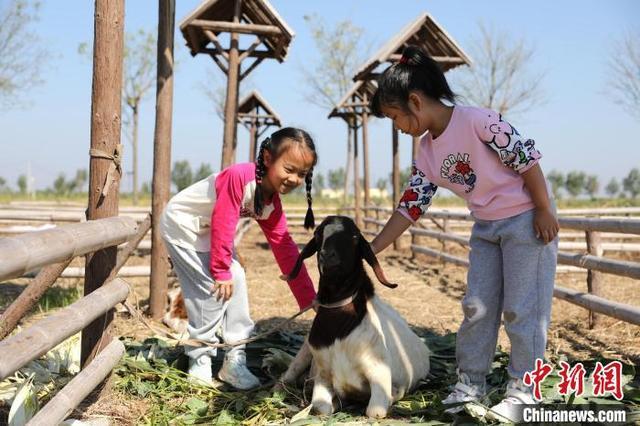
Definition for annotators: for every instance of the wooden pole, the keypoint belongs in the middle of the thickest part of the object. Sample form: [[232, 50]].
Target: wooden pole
[[39, 338], [395, 175], [594, 278], [253, 135], [231, 102], [108, 46], [61, 405], [161, 156], [356, 172], [365, 157]]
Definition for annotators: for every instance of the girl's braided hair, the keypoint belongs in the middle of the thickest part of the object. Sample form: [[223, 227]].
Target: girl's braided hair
[[276, 144], [415, 71]]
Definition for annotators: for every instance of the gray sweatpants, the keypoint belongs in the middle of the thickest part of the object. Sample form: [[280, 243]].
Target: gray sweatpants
[[511, 273], [207, 315]]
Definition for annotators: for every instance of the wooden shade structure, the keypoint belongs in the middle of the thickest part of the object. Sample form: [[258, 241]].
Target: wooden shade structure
[[257, 116], [426, 33], [353, 108], [201, 30]]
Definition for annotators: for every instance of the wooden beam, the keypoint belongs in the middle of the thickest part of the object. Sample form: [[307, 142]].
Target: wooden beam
[[441, 59], [365, 157], [26, 252], [264, 54], [231, 100], [61, 405], [162, 156], [221, 65], [356, 175], [237, 27], [251, 67], [106, 103], [218, 47], [624, 226], [245, 54], [36, 340], [627, 313], [611, 266]]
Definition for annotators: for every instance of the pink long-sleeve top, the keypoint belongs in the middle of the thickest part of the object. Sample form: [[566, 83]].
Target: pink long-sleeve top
[[204, 217], [480, 157]]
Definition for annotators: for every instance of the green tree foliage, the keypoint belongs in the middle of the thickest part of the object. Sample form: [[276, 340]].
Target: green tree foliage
[[77, 184], [60, 185], [22, 184], [631, 183], [203, 171], [22, 55], [575, 182], [336, 178], [318, 184], [181, 176], [381, 184], [591, 186], [557, 181], [612, 188], [3, 184]]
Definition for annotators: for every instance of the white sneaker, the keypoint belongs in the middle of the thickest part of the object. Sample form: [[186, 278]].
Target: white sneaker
[[200, 369], [464, 391], [234, 371], [510, 409]]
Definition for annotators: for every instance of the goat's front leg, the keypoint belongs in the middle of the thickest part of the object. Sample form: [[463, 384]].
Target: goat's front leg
[[378, 375], [298, 365], [322, 398]]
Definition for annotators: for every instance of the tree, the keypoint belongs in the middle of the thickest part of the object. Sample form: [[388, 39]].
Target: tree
[[574, 184], [612, 188], [500, 76], [77, 184], [3, 183], [591, 186], [203, 171], [336, 178], [381, 184], [22, 56], [624, 64], [404, 177], [557, 181], [631, 183], [318, 184], [60, 186], [340, 50], [181, 176], [22, 184]]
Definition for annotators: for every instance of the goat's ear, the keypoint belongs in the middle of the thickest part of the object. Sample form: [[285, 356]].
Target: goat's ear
[[367, 254], [306, 252]]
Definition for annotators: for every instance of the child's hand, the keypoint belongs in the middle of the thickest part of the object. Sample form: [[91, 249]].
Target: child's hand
[[546, 225], [224, 290]]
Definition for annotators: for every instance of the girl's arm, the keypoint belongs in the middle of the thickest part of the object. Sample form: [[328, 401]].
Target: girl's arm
[[545, 222], [414, 203], [286, 253]]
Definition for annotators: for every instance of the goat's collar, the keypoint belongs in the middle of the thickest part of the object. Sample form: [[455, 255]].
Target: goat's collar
[[338, 304]]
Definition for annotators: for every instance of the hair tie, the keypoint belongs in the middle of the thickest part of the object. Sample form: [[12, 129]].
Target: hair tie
[[403, 59]]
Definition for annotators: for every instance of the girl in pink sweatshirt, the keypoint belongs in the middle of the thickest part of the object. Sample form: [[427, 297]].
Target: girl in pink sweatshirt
[[198, 226], [479, 156]]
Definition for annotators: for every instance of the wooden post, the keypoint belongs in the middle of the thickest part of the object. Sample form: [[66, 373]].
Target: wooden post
[[395, 177], [365, 156], [231, 102], [161, 156], [108, 45], [594, 278], [356, 171], [253, 135]]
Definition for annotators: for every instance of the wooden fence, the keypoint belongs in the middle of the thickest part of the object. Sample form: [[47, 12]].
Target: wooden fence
[[593, 262], [52, 250]]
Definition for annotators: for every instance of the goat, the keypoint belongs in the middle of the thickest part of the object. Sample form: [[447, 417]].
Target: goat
[[361, 347]]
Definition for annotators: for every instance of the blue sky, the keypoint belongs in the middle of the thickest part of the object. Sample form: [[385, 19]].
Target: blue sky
[[579, 127]]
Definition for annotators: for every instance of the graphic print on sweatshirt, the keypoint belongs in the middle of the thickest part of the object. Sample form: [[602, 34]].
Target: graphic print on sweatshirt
[[418, 194], [514, 151], [456, 169]]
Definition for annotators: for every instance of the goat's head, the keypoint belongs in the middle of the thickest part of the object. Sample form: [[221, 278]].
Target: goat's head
[[341, 248]]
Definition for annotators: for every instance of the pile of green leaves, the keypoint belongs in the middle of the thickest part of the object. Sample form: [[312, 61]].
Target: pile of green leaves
[[154, 370]]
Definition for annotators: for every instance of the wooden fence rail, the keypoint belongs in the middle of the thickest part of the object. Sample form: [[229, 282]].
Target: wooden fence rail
[[23, 253], [36, 340]]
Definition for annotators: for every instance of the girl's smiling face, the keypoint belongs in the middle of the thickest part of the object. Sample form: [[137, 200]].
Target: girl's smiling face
[[289, 170]]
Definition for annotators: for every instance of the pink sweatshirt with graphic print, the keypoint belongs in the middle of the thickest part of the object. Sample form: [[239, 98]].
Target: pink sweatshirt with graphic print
[[204, 217], [479, 157]]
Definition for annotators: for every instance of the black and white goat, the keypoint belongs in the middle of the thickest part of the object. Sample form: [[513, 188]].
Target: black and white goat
[[361, 347]]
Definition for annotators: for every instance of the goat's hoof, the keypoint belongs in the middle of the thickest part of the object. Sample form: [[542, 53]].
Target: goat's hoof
[[322, 407], [376, 411]]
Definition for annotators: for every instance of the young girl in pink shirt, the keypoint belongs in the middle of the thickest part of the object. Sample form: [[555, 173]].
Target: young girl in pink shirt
[[478, 155], [198, 227]]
